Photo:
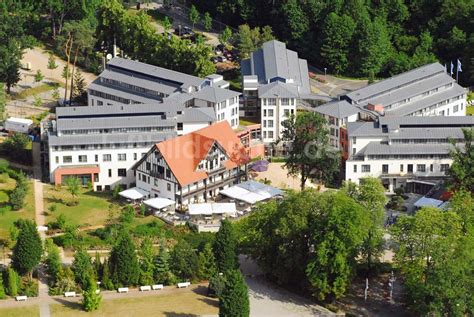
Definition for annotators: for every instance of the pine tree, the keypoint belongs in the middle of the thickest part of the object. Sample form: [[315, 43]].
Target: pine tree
[[207, 263], [2, 288], [162, 269], [64, 282], [52, 62], [28, 248], [79, 88], [97, 266], [234, 299], [13, 282], [225, 248], [91, 300], [82, 267], [124, 266], [39, 76], [52, 261], [147, 265], [184, 261], [106, 280]]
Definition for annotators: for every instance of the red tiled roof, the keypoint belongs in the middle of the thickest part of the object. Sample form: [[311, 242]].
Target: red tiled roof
[[184, 153]]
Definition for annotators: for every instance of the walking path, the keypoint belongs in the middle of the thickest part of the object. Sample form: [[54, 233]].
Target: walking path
[[40, 221]]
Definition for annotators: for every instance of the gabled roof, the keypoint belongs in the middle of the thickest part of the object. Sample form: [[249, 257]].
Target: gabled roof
[[184, 153], [278, 89], [274, 60], [214, 94], [338, 109]]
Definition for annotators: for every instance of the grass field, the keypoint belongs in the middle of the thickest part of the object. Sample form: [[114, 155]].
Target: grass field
[[29, 311], [92, 210], [9, 217], [36, 90], [179, 304]]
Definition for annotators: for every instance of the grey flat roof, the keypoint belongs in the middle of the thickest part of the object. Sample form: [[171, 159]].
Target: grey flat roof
[[396, 81], [85, 139], [427, 133], [114, 122], [337, 109], [428, 120], [197, 115], [432, 100], [119, 93], [137, 81], [412, 90], [165, 107], [214, 94], [410, 126], [277, 89], [274, 60], [159, 72], [375, 148]]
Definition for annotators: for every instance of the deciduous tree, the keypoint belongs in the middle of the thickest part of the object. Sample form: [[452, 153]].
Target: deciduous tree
[[309, 154]]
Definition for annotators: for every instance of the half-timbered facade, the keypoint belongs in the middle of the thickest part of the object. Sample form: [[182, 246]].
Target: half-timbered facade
[[193, 167]]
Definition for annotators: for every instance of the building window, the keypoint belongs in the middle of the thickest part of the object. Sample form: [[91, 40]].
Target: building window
[[96, 158], [421, 168], [285, 101], [401, 168], [57, 159], [456, 108], [270, 112], [168, 187], [67, 159], [122, 172], [135, 155], [148, 166], [156, 181], [107, 157], [271, 101], [96, 177], [270, 123], [286, 113], [385, 168], [122, 157], [431, 167], [353, 151], [99, 188], [444, 167], [270, 134], [168, 173], [110, 173], [410, 168], [365, 168], [355, 168], [354, 140]]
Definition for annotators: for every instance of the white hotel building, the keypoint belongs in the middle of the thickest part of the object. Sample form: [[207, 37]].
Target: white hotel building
[[424, 91], [403, 151], [131, 107]]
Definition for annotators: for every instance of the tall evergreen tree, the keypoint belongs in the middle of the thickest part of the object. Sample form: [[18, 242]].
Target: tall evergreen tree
[[91, 300], [28, 248], [3, 294], [225, 248], [162, 273], [106, 278], [184, 261], [234, 299], [123, 261], [82, 267], [13, 282], [53, 261], [147, 262], [207, 263]]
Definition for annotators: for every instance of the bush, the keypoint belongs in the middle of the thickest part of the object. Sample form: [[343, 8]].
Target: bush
[[4, 178], [29, 288]]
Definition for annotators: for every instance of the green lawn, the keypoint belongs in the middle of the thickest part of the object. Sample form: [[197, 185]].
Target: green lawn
[[9, 217], [182, 304], [244, 122], [92, 210], [28, 311], [470, 110]]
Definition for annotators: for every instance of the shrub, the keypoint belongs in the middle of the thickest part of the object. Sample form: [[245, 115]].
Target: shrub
[[4, 178], [29, 288]]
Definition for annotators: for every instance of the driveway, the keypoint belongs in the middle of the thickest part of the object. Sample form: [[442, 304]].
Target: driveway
[[267, 299]]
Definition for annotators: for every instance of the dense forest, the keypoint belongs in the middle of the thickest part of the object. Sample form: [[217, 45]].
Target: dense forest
[[362, 37]]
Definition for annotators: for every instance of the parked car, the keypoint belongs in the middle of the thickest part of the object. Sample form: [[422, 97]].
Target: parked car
[[221, 59]]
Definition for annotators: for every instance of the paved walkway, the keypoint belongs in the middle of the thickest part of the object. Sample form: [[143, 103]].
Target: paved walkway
[[40, 221]]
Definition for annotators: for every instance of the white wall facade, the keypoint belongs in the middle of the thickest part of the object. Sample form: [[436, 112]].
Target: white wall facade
[[273, 112], [96, 157]]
